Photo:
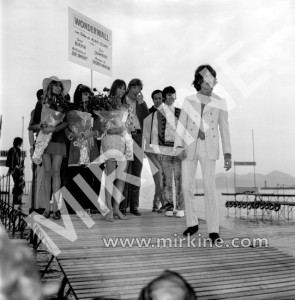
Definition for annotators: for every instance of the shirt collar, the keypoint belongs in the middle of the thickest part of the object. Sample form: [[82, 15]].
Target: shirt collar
[[129, 101], [203, 98], [171, 107]]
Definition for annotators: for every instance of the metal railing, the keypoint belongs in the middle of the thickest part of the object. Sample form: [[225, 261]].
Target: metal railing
[[11, 216]]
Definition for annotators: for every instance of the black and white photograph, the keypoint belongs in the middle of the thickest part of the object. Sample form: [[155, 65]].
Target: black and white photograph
[[147, 149]]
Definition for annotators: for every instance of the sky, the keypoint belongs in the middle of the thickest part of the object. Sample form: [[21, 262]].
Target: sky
[[250, 43]]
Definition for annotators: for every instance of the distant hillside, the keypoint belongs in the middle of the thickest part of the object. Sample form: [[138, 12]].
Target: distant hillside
[[225, 181], [275, 178]]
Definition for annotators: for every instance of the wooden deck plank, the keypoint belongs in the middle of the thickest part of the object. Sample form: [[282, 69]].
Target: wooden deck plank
[[200, 277], [216, 273], [236, 284]]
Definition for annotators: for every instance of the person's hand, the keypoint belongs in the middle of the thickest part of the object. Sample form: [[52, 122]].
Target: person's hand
[[76, 135], [118, 130], [182, 155], [140, 98], [130, 128], [87, 134], [48, 129], [227, 163]]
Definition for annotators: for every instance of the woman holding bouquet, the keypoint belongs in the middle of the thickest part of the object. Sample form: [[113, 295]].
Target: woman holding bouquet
[[116, 164], [84, 147], [54, 90]]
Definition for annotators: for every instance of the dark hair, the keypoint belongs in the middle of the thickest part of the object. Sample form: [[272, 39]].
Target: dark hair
[[134, 82], [68, 97], [168, 90], [81, 88], [199, 77], [39, 94], [17, 142], [155, 92], [176, 279], [118, 83]]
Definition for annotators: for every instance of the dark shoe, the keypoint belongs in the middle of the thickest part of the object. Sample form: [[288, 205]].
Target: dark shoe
[[155, 209], [214, 236], [135, 212], [166, 207], [56, 215], [162, 210], [46, 214], [191, 230]]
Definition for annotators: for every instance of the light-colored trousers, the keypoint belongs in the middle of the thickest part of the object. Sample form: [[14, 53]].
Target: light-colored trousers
[[189, 169]]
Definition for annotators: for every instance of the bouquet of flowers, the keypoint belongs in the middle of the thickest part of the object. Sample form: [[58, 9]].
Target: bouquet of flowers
[[61, 104], [81, 123], [112, 115], [49, 117], [102, 102]]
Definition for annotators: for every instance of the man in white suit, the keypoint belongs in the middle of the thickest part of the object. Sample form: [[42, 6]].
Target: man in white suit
[[203, 119]]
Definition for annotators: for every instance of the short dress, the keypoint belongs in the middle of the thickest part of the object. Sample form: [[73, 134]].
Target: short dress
[[57, 144], [114, 146]]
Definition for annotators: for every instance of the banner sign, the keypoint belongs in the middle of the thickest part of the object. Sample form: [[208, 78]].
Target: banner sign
[[244, 163], [90, 44]]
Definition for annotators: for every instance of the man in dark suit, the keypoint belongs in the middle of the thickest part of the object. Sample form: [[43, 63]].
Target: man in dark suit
[[151, 155], [139, 111]]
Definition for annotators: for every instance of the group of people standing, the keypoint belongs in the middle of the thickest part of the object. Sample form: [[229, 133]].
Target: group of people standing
[[173, 140], [63, 144]]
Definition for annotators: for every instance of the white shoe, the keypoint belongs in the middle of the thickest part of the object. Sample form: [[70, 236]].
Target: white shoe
[[169, 213], [180, 214]]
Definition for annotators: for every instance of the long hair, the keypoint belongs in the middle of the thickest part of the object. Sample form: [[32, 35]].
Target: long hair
[[118, 83], [39, 94], [49, 95], [81, 88], [198, 80]]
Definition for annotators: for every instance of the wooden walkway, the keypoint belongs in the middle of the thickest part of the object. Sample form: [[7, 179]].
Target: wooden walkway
[[93, 270]]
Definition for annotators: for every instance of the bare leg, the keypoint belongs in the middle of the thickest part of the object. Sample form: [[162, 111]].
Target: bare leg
[[56, 163], [110, 168], [120, 183], [46, 162]]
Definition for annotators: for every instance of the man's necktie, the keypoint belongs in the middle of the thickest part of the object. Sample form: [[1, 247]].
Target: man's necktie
[[201, 134]]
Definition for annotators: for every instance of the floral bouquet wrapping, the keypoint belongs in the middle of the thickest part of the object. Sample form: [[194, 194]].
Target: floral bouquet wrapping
[[81, 123], [119, 147], [49, 117]]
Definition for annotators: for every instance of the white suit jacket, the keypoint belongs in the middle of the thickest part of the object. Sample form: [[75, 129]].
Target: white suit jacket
[[215, 125]]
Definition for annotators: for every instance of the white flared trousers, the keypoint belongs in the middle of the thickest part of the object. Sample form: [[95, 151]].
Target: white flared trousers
[[189, 169]]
